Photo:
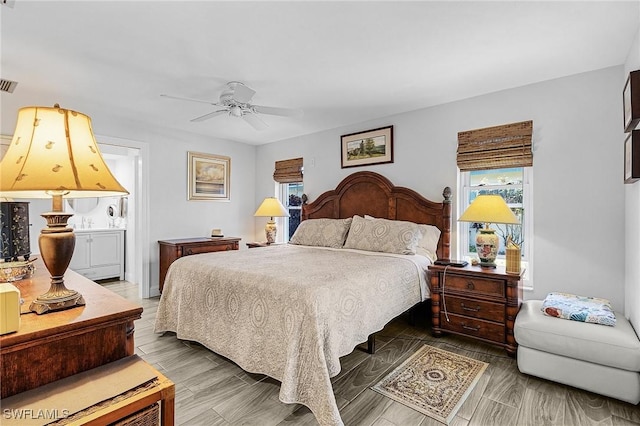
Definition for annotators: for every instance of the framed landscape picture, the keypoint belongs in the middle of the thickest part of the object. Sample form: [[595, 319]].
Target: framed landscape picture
[[369, 147], [208, 176]]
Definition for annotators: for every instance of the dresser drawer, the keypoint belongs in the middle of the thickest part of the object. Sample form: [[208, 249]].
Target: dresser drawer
[[478, 286], [473, 327], [475, 308], [194, 249]]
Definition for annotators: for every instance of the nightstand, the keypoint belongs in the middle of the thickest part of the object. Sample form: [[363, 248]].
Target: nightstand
[[481, 303], [170, 250]]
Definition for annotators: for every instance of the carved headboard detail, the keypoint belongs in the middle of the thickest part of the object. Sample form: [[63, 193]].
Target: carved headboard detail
[[373, 194]]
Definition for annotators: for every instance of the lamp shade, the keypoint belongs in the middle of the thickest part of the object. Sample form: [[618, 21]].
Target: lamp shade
[[489, 209], [271, 207], [54, 150]]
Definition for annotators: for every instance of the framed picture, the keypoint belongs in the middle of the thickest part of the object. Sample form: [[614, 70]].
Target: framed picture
[[370, 147], [632, 157], [631, 101], [208, 176]]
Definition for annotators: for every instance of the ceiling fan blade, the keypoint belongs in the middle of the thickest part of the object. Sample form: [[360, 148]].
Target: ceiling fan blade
[[242, 93], [209, 115], [189, 99], [255, 121], [285, 112]]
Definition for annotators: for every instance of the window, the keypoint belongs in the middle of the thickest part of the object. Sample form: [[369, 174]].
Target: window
[[288, 175], [514, 185], [291, 197]]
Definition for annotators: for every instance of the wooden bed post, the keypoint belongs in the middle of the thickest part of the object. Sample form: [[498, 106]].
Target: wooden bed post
[[446, 231]]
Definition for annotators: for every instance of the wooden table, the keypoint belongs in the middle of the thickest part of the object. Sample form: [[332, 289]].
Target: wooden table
[[170, 250], [59, 344]]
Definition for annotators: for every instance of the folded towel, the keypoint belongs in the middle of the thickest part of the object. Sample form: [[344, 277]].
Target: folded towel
[[579, 308]]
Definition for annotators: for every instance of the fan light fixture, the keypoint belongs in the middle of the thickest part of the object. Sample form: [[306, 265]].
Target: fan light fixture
[[54, 154]]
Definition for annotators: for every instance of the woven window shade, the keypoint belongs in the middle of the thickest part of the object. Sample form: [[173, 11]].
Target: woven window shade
[[496, 147], [288, 171]]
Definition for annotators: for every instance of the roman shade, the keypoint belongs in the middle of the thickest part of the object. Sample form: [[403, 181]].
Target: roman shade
[[498, 147], [288, 171]]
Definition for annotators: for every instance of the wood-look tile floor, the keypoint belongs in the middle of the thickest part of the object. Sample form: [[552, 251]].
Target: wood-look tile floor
[[211, 390]]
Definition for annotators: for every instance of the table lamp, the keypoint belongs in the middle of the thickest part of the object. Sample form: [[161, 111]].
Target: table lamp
[[53, 153], [271, 207], [488, 209]]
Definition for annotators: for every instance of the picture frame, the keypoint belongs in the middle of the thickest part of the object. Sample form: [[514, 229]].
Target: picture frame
[[632, 157], [365, 148], [208, 177], [631, 101]]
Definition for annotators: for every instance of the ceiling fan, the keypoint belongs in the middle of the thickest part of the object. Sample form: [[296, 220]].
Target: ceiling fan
[[235, 101]]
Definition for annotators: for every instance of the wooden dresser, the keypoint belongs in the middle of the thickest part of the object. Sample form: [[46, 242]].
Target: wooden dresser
[[478, 302], [170, 250], [59, 344]]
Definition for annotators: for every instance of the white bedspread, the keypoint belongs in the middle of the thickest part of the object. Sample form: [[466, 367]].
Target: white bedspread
[[289, 312]]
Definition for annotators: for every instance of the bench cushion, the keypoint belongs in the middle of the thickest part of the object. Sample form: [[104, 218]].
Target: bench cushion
[[616, 346]]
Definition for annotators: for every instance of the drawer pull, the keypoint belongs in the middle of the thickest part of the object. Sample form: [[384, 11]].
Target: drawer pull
[[466, 308], [466, 327], [189, 252], [470, 285]]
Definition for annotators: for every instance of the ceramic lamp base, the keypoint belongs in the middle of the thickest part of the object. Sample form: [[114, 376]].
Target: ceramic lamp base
[[271, 231], [487, 247]]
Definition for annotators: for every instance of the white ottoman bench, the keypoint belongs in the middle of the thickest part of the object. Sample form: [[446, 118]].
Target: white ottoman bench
[[597, 358]]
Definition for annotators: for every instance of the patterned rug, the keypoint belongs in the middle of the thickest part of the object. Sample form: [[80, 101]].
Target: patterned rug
[[433, 381]]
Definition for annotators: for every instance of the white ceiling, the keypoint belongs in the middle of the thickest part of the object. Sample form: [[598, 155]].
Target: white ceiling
[[341, 62]]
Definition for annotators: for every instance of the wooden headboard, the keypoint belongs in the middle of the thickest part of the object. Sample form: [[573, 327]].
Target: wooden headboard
[[373, 194]]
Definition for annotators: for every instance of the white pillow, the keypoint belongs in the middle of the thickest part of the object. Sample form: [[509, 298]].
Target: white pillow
[[428, 244], [321, 232], [382, 235]]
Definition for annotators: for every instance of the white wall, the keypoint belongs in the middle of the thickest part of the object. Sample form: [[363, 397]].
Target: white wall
[[632, 219], [578, 189]]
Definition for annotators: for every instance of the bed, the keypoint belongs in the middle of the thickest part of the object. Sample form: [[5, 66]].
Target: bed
[[291, 311]]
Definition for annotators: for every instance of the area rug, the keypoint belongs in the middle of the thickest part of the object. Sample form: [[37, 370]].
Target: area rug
[[433, 381]]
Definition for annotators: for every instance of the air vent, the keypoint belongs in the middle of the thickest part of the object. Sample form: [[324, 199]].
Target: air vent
[[7, 85]]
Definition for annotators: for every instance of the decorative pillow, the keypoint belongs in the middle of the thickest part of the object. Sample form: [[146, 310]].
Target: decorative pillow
[[382, 235], [579, 308], [428, 244], [321, 232]]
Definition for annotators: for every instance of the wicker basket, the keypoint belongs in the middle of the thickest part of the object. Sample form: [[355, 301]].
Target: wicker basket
[[149, 416], [513, 261]]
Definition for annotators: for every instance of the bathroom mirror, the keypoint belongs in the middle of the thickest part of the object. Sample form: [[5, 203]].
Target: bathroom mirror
[[83, 205]]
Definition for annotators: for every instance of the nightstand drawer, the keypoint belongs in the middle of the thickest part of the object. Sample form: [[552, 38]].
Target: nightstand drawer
[[473, 327], [475, 308], [206, 249], [474, 285]]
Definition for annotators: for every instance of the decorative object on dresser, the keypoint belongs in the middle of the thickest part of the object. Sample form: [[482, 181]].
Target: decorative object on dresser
[[170, 250], [632, 157], [488, 209], [368, 147], [631, 101], [63, 343], [271, 207], [476, 302], [209, 177], [54, 154], [14, 237]]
